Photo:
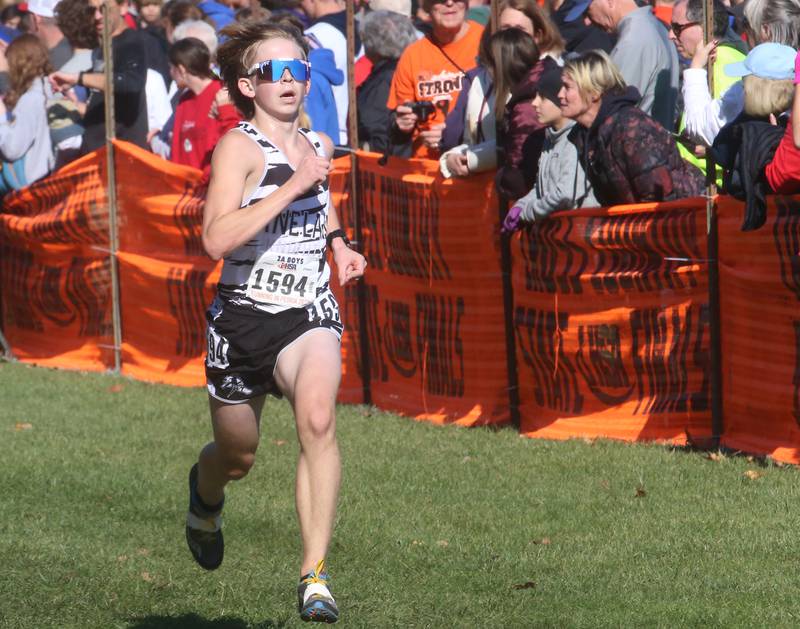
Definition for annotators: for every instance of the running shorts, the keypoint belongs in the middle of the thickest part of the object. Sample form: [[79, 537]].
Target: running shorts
[[244, 344]]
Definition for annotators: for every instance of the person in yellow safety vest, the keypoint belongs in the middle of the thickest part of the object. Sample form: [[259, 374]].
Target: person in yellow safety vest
[[686, 32]]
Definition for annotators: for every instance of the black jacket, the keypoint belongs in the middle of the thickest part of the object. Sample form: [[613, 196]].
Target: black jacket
[[630, 158], [374, 117], [744, 148], [130, 104]]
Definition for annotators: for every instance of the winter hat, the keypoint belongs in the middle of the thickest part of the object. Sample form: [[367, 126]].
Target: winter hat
[[768, 61], [550, 85]]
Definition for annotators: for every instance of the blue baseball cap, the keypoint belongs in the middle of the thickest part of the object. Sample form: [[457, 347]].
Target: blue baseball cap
[[768, 61], [578, 9]]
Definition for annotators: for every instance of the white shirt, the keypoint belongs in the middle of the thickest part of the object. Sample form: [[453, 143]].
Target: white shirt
[[703, 116]]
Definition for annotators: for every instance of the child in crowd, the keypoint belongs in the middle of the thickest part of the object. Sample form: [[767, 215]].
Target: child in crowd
[[195, 131], [149, 13], [561, 183], [468, 140], [26, 150], [746, 147], [520, 136]]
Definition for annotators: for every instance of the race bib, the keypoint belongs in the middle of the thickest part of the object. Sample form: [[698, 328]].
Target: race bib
[[284, 279]]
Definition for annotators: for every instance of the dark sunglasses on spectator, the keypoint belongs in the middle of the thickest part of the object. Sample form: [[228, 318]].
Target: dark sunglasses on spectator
[[679, 28], [272, 69]]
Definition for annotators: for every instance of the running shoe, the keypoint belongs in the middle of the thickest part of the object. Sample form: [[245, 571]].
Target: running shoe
[[203, 529], [314, 600]]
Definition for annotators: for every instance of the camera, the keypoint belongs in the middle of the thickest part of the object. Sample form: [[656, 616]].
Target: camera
[[424, 109]]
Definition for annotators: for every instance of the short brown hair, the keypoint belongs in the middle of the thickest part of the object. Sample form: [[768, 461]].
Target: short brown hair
[[192, 54], [177, 11], [235, 55]]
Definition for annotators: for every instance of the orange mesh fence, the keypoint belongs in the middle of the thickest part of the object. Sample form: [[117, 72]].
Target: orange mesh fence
[[434, 299], [55, 281], [351, 388], [611, 323], [611, 317], [760, 314], [166, 279]]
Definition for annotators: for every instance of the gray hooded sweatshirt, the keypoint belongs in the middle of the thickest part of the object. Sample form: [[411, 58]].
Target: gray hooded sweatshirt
[[561, 183]]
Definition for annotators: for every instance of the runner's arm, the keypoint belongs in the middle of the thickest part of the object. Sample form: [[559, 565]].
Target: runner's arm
[[350, 264]]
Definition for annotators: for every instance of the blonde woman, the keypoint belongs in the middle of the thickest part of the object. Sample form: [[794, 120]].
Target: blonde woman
[[628, 156]]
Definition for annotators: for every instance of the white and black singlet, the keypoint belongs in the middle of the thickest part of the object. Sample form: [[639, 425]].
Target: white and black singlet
[[284, 265]]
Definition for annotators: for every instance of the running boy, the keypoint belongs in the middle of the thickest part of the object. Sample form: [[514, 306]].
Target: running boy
[[274, 326]]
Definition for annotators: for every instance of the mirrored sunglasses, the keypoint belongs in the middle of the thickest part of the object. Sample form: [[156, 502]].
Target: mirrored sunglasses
[[272, 69]]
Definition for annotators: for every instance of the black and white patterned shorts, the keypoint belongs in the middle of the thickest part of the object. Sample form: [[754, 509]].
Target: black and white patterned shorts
[[244, 344]]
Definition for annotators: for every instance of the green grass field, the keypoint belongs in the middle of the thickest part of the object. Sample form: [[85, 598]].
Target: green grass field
[[437, 527]]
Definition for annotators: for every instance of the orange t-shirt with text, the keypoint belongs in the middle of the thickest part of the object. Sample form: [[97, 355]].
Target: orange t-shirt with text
[[424, 72]]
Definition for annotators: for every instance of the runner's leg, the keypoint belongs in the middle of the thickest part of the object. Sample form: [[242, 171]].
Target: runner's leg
[[308, 373], [232, 453]]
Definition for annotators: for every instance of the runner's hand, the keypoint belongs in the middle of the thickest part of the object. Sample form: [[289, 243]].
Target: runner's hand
[[311, 171], [797, 69], [350, 264]]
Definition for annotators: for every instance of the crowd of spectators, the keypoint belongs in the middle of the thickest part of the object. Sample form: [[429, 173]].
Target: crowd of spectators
[[574, 103]]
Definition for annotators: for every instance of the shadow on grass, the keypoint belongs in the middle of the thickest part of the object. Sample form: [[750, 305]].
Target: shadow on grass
[[193, 621]]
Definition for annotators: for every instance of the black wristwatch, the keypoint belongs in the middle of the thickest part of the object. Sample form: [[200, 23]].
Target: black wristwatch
[[80, 79], [337, 233]]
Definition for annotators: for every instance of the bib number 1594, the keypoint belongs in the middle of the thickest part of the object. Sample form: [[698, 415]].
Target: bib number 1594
[[285, 280]]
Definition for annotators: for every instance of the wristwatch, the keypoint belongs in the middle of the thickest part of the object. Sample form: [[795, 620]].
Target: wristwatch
[[337, 233]]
